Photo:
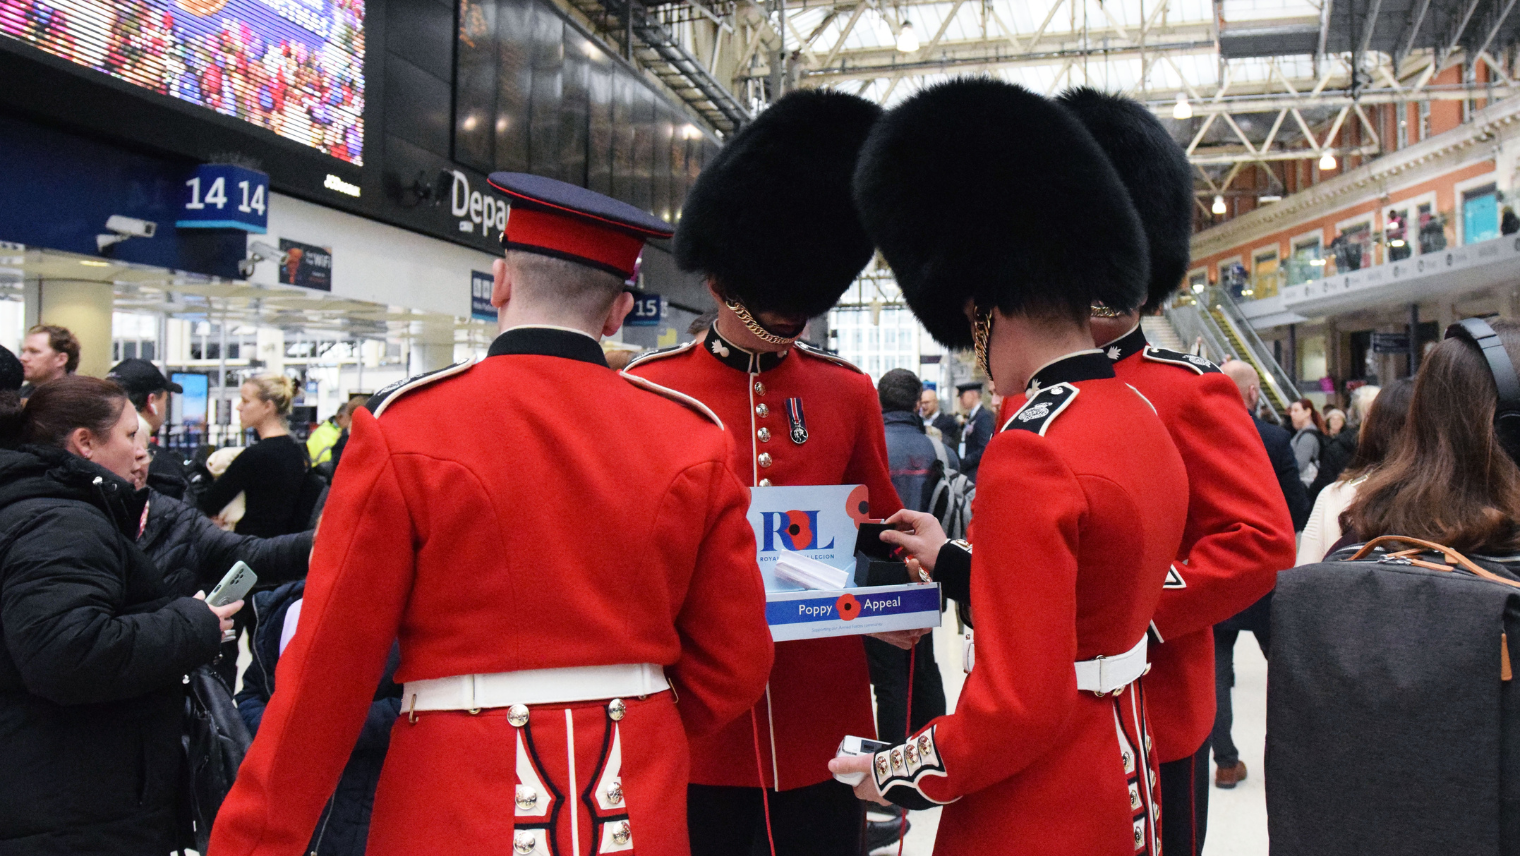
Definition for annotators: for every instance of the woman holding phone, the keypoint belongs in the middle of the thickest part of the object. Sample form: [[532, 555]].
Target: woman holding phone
[[93, 645]]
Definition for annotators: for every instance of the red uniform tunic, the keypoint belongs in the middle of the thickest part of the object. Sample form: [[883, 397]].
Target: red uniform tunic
[[1080, 503], [820, 689], [1238, 534], [494, 525]]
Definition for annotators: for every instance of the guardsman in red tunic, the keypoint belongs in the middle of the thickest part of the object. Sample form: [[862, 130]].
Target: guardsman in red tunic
[[984, 199], [1239, 533], [575, 592], [771, 226]]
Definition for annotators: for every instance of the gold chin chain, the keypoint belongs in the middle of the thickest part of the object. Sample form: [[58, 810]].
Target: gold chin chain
[[1099, 309], [754, 326], [981, 335]]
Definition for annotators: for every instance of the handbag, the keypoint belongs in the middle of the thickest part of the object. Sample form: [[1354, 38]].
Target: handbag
[[215, 740], [1393, 722]]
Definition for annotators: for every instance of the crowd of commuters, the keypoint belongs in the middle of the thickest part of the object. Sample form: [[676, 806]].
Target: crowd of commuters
[[438, 594]]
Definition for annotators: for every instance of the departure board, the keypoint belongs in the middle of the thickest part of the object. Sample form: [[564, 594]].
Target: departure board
[[294, 67]]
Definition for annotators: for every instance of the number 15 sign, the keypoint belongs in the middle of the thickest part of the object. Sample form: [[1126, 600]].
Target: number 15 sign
[[222, 196]]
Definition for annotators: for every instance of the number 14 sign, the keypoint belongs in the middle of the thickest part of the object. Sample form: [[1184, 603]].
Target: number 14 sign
[[222, 196]]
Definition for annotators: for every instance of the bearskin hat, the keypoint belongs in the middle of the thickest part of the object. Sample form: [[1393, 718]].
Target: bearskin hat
[[771, 219], [1156, 171], [981, 189]]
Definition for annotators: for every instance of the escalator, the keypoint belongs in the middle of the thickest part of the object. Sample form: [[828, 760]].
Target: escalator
[[1217, 330]]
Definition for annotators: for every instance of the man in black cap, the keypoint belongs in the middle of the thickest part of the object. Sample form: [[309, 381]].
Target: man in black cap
[[148, 390], [771, 226], [976, 433]]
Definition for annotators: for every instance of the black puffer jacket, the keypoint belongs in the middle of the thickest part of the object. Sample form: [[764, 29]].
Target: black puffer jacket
[[344, 826], [195, 553], [94, 650]]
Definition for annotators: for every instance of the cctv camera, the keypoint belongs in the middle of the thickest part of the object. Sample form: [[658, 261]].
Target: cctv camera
[[123, 229], [258, 251], [131, 227], [263, 252]]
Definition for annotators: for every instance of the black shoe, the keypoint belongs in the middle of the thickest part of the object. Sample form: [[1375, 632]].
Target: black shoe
[[880, 833]]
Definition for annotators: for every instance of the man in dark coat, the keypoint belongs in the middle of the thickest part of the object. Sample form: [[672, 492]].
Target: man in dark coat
[[1257, 617], [911, 457], [976, 433], [934, 417], [344, 825]]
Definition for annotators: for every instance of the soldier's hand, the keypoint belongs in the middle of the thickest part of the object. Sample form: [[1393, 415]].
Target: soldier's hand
[[919, 534], [866, 790], [904, 639]]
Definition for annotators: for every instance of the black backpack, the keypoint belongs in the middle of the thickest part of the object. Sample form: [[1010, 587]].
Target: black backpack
[[1393, 722], [215, 740], [948, 494]]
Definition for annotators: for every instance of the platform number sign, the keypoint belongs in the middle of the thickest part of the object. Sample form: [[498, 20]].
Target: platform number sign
[[648, 309], [222, 196]]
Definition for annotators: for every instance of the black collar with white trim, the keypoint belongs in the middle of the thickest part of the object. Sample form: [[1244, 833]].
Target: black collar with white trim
[[548, 342], [1082, 365], [735, 357], [1126, 346]]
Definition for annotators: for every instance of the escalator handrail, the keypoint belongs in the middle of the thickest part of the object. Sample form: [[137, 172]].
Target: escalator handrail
[[1247, 334]]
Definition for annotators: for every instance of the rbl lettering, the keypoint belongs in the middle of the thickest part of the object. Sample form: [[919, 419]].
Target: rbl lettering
[[797, 530]]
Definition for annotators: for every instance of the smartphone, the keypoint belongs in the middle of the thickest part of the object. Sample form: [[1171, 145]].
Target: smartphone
[[234, 586], [869, 542], [853, 745]]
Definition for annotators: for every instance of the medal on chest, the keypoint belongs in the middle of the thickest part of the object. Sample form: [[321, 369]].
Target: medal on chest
[[797, 420]]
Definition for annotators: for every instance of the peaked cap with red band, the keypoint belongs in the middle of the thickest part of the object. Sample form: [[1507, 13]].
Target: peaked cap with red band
[[564, 221]]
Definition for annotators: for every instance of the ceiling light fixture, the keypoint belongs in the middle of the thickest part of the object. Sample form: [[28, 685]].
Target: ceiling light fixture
[[1327, 161], [1219, 206], [1183, 110], [907, 39]]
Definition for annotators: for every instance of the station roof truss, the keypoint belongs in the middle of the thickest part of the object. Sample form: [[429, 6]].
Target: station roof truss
[[1265, 80]]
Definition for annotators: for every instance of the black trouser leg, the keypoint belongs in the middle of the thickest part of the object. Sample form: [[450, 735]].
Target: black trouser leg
[[1185, 804], [1225, 753], [819, 820], [889, 677]]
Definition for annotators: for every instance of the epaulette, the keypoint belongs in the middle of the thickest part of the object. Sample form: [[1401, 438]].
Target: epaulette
[[650, 356], [673, 395], [1042, 408], [804, 348], [1178, 358], [383, 399]]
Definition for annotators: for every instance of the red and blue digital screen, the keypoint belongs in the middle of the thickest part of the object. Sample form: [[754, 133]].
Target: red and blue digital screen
[[294, 67]]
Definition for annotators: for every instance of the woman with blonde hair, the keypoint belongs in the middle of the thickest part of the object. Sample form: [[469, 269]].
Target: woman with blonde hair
[[270, 473]]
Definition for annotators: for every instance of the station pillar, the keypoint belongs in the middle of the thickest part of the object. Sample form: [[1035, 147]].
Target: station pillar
[[84, 308], [432, 347]]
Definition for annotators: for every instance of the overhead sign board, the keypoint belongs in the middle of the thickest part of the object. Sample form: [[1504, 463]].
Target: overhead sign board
[[1390, 343], [480, 296], [223, 196], [647, 311], [305, 265]]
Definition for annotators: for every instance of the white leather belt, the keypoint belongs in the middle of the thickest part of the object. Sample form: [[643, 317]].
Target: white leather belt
[[1107, 674], [537, 686]]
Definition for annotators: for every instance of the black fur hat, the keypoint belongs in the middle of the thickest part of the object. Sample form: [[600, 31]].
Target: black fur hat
[[770, 220], [1156, 171], [981, 189]]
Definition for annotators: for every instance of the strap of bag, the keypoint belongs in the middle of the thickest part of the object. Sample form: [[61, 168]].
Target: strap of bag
[[1453, 558], [939, 452]]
